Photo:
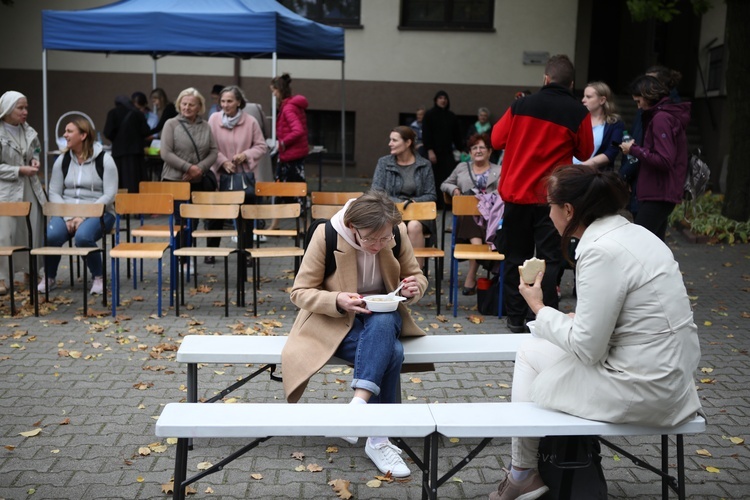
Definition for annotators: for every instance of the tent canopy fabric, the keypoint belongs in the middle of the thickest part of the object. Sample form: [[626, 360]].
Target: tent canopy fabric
[[224, 28]]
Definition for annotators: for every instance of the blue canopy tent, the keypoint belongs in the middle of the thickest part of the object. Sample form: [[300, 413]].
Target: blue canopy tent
[[249, 29]]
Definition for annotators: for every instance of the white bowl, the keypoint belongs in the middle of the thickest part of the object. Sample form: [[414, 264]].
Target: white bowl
[[382, 303]]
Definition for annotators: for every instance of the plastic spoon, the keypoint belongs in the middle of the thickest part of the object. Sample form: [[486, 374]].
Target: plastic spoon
[[392, 295]]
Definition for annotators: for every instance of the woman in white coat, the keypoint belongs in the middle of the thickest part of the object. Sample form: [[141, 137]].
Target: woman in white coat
[[629, 352], [19, 180]]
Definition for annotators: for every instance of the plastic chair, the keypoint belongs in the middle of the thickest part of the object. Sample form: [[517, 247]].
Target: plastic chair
[[419, 211], [142, 204], [85, 210], [468, 205], [18, 209]]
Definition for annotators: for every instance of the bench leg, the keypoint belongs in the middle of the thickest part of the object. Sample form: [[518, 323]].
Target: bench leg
[[664, 466], [680, 467], [180, 469]]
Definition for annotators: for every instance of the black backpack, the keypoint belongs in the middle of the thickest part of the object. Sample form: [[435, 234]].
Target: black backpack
[[332, 238], [98, 161], [571, 466]]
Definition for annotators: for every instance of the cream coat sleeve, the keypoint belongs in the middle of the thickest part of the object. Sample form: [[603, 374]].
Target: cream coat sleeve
[[601, 287]]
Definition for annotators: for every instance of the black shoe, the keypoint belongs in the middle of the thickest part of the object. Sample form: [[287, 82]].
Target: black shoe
[[469, 291], [209, 260], [516, 327]]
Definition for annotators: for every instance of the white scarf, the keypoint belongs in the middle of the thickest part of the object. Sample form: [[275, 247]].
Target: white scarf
[[230, 121]]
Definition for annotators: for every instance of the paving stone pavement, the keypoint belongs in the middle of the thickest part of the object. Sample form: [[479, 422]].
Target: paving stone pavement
[[94, 386]]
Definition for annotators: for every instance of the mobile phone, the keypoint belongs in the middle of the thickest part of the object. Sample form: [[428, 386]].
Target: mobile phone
[[615, 143]]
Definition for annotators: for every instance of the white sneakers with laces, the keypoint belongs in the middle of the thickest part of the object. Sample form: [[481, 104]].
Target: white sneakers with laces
[[386, 457], [97, 287]]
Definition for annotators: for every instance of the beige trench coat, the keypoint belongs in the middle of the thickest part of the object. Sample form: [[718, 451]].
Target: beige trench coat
[[319, 327], [14, 187], [633, 346]]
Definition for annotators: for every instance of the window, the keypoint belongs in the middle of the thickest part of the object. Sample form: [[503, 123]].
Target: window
[[715, 68], [324, 129], [333, 12], [474, 15]]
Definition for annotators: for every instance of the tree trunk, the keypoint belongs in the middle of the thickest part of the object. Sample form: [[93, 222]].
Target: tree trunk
[[737, 197]]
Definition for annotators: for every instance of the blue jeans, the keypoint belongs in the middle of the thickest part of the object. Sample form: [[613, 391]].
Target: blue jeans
[[373, 347], [88, 233]]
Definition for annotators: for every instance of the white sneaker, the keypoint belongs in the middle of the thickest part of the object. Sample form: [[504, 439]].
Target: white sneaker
[[260, 237], [97, 287], [47, 284], [351, 439], [386, 458]]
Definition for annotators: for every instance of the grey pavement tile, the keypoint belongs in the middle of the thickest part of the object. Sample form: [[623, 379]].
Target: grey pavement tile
[[98, 457]]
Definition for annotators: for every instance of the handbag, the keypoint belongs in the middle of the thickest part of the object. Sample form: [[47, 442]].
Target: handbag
[[238, 181], [571, 466]]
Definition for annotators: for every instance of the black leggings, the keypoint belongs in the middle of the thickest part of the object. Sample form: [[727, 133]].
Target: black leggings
[[653, 216]]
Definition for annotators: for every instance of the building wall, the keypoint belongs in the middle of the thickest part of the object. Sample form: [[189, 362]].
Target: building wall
[[388, 71]]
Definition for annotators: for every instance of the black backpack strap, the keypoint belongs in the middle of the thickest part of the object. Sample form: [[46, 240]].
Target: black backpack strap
[[98, 162], [397, 246], [65, 164], [331, 246]]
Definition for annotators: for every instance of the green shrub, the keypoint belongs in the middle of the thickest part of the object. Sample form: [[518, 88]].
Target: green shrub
[[704, 218]]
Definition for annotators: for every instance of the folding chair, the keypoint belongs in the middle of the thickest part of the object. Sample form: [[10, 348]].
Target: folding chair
[[85, 210], [192, 211], [447, 204], [468, 205], [18, 209], [419, 211], [142, 204], [263, 211]]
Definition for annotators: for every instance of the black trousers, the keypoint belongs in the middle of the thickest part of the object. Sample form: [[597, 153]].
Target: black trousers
[[653, 216], [529, 230]]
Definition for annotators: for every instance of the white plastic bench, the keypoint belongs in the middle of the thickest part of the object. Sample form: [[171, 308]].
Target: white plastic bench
[[429, 421], [266, 351]]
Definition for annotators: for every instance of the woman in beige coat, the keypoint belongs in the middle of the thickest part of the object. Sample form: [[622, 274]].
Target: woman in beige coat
[[630, 351], [19, 180], [334, 320]]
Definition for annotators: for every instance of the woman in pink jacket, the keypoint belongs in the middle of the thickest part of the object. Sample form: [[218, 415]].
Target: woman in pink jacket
[[239, 141], [291, 131]]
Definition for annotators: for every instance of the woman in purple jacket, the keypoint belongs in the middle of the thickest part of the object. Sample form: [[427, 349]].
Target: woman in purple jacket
[[291, 131], [663, 155]]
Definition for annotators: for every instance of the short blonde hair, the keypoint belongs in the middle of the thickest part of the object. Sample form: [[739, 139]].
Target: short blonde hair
[[190, 91]]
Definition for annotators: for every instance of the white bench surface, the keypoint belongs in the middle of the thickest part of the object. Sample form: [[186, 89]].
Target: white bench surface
[[254, 420], [427, 349], [483, 420]]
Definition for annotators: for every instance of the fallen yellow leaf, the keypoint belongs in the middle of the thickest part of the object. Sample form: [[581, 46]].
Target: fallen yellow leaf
[[374, 483], [703, 453], [140, 479], [204, 465], [171, 440], [31, 433], [707, 323], [713, 470], [256, 476], [144, 451], [706, 370], [737, 440], [341, 487], [300, 468], [454, 440], [314, 468]]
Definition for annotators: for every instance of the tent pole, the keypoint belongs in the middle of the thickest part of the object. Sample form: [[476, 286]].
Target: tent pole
[[343, 123], [45, 152], [274, 70], [153, 76]]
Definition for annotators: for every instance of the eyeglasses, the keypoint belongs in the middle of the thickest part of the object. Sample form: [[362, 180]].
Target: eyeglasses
[[478, 148], [372, 241]]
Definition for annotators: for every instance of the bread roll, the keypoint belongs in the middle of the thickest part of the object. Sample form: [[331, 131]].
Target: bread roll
[[530, 269]]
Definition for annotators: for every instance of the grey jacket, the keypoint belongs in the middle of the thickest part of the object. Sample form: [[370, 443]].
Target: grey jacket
[[177, 149], [388, 178], [461, 178], [83, 184]]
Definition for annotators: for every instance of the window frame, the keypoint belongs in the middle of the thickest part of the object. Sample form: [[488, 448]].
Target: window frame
[[316, 127], [447, 24], [317, 16]]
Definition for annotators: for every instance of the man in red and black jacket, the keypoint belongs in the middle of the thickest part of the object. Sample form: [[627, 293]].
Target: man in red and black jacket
[[538, 133]]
